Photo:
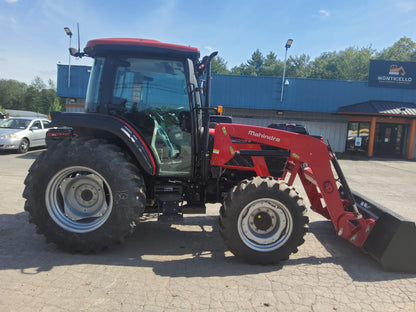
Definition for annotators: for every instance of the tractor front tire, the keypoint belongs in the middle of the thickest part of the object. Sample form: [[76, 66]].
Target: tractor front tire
[[84, 195], [263, 220]]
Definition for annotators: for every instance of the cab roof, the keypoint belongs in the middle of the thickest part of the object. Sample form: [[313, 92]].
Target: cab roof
[[141, 47]]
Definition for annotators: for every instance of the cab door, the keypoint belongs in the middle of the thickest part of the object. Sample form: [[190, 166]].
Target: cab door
[[153, 95]]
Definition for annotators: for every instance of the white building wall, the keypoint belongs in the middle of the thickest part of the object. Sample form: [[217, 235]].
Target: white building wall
[[74, 105]]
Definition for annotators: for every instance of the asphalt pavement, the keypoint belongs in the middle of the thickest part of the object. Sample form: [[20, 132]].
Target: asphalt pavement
[[187, 267]]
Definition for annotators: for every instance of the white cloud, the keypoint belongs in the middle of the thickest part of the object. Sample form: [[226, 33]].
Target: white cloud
[[209, 49], [324, 12], [12, 1]]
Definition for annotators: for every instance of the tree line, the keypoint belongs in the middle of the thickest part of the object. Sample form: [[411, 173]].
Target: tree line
[[36, 97], [349, 64]]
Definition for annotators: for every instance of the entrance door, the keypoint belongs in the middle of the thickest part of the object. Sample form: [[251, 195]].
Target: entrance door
[[388, 140]]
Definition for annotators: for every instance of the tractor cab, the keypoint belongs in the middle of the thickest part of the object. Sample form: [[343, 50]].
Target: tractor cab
[[153, 86]]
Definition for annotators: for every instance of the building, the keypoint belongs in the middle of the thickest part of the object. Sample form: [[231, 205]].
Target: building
[[353, 116], [72, 85]]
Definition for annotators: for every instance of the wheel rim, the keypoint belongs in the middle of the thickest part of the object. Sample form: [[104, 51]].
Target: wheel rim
[[79, 199], [265, 225], [24, 145]]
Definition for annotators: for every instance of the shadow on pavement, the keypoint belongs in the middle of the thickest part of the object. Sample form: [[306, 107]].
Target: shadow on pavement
[[359, 265], [32, 154], [196, 251]]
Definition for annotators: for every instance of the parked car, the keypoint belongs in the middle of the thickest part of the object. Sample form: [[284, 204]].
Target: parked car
[[290, 127], [295, 128], [21, 133]]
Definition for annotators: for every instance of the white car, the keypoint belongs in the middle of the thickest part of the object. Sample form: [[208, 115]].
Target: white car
[[20, 133]]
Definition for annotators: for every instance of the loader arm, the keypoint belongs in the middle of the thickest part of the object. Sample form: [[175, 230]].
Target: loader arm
[[309, 159]]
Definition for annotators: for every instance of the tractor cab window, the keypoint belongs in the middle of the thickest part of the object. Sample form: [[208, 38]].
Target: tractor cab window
[[92, 100], [153, 95]]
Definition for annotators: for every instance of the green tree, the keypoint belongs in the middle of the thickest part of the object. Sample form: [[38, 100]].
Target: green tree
[[352, 63], [255, 65], [403, 50], [219, 66], [39, 96], [324, 66], [56, 105], [239, 70], [32, 100], [38, 84], [272, 66], [349, 64], [298, 66], [12, 93], [51, 85], [47, 99]]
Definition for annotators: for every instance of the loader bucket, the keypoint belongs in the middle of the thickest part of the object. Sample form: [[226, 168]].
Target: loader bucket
[[392, 242]]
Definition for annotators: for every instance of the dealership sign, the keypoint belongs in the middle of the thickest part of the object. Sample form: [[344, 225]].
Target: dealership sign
[[392, 74]]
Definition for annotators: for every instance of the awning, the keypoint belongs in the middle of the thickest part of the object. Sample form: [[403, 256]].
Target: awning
[[380, 108]]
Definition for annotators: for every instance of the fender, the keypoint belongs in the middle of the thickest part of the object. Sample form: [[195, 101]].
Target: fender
[[88, 123]]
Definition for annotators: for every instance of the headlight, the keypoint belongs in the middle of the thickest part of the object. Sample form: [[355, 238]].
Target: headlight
[[9, 136]]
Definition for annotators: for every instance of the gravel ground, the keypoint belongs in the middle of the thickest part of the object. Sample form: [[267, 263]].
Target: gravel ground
[[187, 267]]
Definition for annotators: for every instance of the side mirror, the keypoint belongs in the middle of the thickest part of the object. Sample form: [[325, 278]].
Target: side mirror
[[73, 51], [34, 128]]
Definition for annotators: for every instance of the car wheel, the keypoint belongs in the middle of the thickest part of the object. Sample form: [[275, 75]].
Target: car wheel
[[23, 146]]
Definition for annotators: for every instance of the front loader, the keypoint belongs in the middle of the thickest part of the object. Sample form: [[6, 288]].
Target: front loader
[[148, 143]]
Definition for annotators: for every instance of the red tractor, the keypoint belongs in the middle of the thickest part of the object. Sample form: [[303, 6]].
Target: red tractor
[[148, 143]]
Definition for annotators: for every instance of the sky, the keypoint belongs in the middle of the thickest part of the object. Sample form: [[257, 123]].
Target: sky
[[33, 40]]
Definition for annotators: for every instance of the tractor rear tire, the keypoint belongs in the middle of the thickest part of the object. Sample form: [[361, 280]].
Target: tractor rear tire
[[263, 220], [84, 195]]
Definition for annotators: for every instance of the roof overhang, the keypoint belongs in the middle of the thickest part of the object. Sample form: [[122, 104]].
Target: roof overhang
[[380, 108]]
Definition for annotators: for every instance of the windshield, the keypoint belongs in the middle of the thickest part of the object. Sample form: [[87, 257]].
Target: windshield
[[141, 84], [15, 123]]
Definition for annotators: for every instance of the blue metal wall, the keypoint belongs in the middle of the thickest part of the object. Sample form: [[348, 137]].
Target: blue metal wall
[[245, 91], [308, 95], [78, 81]]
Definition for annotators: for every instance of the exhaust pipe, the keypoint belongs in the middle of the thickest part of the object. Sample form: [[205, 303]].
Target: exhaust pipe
[[392, 242]]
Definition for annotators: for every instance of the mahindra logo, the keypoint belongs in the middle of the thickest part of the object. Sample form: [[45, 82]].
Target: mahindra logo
[[263, 136]]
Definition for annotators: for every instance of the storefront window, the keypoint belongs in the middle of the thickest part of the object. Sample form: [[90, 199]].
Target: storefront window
[[358, 137]]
